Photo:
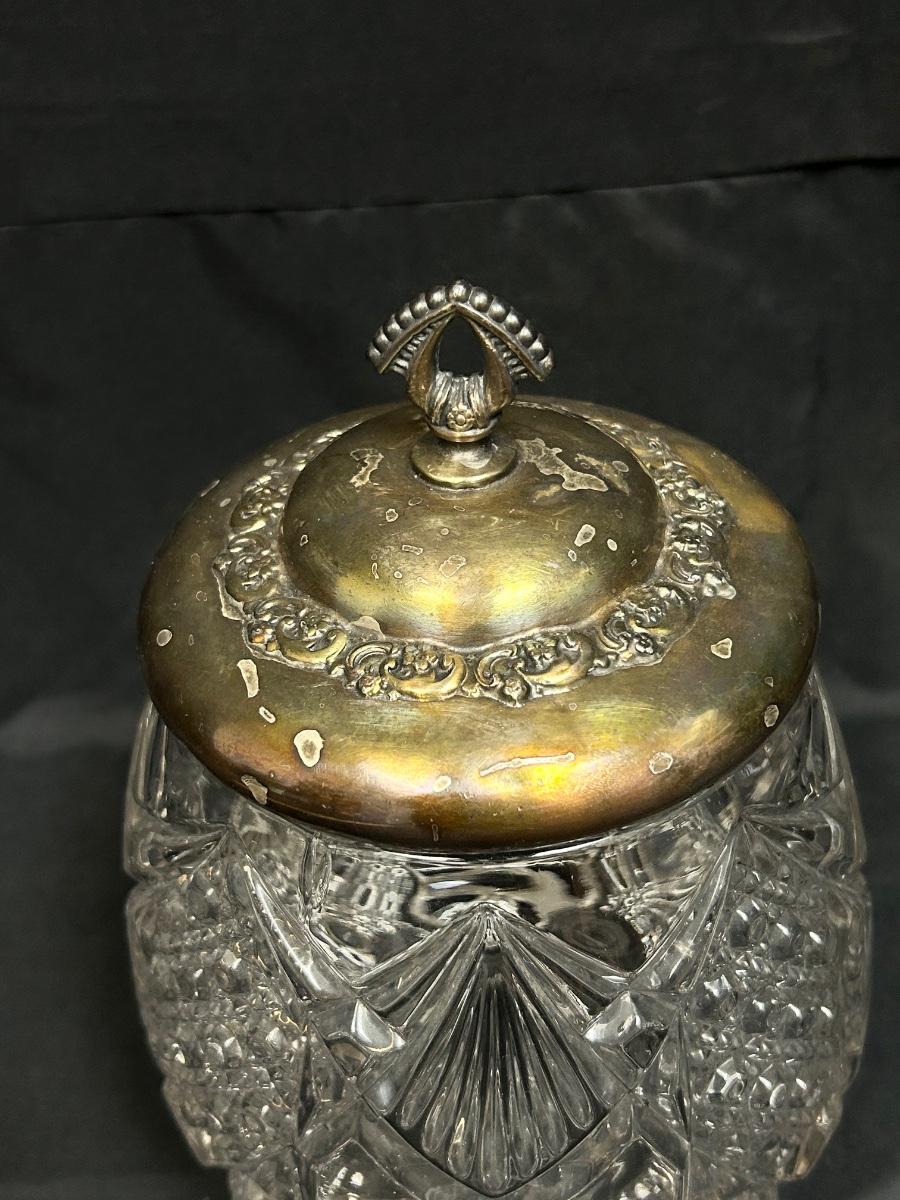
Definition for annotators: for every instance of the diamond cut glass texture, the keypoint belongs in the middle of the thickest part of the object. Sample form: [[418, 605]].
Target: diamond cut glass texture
[[672, 1010]]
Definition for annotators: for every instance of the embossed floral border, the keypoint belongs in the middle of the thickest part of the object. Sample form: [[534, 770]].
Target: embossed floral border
[[281, 622]]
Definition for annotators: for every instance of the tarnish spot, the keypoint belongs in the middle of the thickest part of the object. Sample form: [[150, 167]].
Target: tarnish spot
[[451, 565], [535, 760], [612, 543], [371, 460], [391, 514], [661, 761], [584, 535], [308, 744], [304, 539], [572, 555], [442, 783], [366, 622], [549, 461], [770, 716], [257, 790], [612, 471], [722, 649], [769, 681], [164, 637], [398, 574], [267, 714], [250, 676]]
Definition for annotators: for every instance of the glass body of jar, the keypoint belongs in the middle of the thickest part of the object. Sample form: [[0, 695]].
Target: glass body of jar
[[674, 1009]]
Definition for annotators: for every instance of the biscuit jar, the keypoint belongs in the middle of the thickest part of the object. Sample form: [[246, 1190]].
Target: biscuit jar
[[491, 831]]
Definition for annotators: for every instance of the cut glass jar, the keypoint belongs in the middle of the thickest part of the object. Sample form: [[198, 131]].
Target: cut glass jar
[[493, 836]]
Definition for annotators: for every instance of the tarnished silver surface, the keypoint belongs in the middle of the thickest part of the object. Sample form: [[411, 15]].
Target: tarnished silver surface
[[413, 626], [259, 588]]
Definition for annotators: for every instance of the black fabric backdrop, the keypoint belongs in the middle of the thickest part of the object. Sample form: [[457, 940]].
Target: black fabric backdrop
[[206, 209]]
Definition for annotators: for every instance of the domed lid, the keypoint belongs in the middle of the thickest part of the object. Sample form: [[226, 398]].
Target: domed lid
[[431, 626]]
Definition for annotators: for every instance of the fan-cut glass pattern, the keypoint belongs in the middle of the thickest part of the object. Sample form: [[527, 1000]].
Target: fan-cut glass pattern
[[673, 1010]]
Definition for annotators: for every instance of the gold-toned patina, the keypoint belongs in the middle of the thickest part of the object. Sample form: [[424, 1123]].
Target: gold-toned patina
[[470, 566], [419, 626]]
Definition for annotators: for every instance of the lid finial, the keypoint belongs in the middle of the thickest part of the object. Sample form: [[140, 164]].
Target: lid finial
[[461, 410]]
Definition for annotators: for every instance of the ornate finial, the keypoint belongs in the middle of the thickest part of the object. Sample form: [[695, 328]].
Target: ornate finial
[[460, 408]]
